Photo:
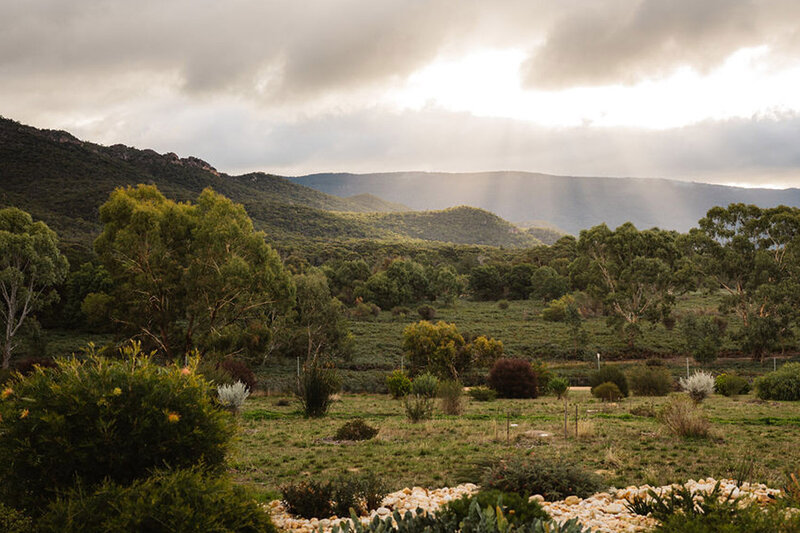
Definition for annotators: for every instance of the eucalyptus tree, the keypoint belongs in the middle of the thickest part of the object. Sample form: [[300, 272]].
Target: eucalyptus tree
[[190, 275], [636, 274], [30, 266]]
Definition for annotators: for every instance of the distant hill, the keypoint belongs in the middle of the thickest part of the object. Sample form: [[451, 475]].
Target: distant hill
[[570, 203], [63, 181]]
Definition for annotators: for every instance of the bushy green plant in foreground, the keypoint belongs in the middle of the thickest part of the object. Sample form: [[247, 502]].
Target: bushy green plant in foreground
[[552, 479], [517, 509], [608, 392], [356, 429], [482, 394], [318, 382], [398, 384], [609, 373], [684, 511], [182, 501], [684, 418], [650, 380], [488, 520], [782, 384], [425, 385], [730, 384], [559, 386], [98, 419], [13, 521]]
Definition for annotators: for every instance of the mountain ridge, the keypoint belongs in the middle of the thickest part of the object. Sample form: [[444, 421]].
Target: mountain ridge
[[568, 202]]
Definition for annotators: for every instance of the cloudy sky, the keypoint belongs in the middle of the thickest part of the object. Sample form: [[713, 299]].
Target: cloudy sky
[[703, 90]]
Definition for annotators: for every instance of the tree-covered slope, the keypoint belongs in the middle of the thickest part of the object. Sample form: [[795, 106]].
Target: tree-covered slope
[[63, 181]]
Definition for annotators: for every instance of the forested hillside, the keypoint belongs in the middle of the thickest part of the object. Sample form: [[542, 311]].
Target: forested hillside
[[63, 181]]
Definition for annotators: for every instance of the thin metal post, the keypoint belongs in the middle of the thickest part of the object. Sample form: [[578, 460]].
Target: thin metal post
[[565, 419], [576, 421]]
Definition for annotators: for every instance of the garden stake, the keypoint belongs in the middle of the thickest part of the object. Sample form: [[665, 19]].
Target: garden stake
[[576, 421], [687, 368], [565, 419]]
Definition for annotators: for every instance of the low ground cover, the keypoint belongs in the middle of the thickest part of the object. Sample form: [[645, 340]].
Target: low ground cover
[[750, 439]]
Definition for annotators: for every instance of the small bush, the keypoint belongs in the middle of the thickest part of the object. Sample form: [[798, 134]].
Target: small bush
[[699, 386], [400, 310], [356, 429], [425, 385], [181, 501], [552, 479], [543, 375], [13, 521], [450, 394], [426, 312], [612, 374], [731, 385], [365, 310], [559, 386], [482, 394], [316, 385], [359, 492], [502, 304], [418, 408], [101, 419], [239, 371], [232, 397], [309, 499], [516, 508], [650, 380], [683, 511], [608, 392], [684, 418], [513, 378], [782, 384], [398, 384]]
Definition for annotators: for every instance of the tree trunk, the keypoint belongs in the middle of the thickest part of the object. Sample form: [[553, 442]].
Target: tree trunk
[[6, 354]]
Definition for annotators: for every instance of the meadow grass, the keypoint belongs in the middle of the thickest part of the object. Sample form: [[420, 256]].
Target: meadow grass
[[277, 445]]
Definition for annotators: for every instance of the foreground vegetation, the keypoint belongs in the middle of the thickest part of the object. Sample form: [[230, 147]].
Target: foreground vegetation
[[751, 439]]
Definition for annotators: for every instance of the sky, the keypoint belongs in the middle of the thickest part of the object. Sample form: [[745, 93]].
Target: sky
[[704, 91]]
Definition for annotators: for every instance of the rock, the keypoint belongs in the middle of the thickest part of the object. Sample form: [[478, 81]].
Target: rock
[[613, 508], [572, 500], [536, 498], [383, 512]]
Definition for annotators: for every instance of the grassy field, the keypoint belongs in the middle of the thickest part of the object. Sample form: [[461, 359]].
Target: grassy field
[[277, 445]]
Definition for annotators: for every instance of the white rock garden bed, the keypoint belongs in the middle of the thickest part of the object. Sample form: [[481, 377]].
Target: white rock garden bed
[[604, 512]]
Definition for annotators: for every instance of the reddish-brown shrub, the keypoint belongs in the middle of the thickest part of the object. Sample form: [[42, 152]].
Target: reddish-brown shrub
[[239, 371], [513, 378]]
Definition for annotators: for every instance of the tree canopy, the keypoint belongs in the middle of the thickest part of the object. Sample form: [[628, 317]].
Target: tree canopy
[[30, 265], [188, 275]]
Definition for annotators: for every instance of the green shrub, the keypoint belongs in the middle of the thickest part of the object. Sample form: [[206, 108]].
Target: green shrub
[[543, 375], [561, 309], [684, 511], [502, 304], [426, 312], [398, 384], [551, 478], [612, 374], [359, 492], [425, 385], [516, 508], [482, 394], [684, 418], [13, 521], [356, 429], [731, 385], [214, 374], [782, 384], [513, 378], [401, 310], [450, 394], [650, 380], [608, 392], [418, 408], [180, 501], [488, 520], [309, 498], [102, 419], [316, 385], [559, 386]]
